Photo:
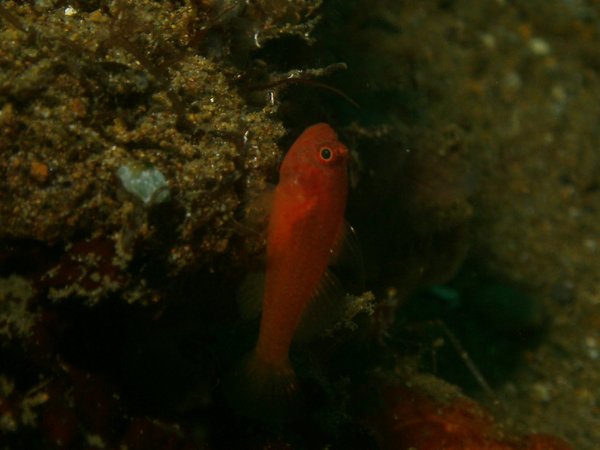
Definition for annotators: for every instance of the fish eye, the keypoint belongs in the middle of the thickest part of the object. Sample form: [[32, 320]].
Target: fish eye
[[326, 153]]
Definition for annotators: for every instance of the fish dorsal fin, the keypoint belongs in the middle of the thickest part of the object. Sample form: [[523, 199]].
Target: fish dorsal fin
[[324, 308], [256, 218], [250, 295], [347, 261]]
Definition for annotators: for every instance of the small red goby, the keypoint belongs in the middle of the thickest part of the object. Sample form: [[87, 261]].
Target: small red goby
[[306, 225]]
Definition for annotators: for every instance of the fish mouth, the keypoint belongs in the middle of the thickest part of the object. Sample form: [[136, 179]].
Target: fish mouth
[[344, 153]]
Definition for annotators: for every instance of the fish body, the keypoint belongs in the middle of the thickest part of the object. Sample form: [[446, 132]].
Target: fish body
[[306, 219], [306, 223]]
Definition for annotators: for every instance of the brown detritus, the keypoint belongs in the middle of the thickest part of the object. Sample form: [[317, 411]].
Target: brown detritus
[[16, 317], [275, 18], [19, 409], [39, 171], [8, 421], [62, 412], [88, 269], [249, 26], [304, 76]]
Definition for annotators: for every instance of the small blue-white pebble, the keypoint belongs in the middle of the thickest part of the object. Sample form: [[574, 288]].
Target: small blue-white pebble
[[145, 182]]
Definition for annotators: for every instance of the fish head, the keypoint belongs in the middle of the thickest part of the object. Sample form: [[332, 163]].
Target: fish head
[[319, 146], [316, 156]]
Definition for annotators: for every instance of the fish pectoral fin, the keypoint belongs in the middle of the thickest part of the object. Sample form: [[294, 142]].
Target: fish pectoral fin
[[326, 306], [257, 209], [347, 261], [250, 295]]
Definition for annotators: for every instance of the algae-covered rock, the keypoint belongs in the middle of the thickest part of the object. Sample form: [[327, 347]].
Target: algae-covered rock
[[86, 92]]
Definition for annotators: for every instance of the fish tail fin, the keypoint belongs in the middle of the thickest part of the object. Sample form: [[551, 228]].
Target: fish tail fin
[[263, 390]]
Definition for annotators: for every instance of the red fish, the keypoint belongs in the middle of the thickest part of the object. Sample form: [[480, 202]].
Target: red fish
[[305, 227]]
